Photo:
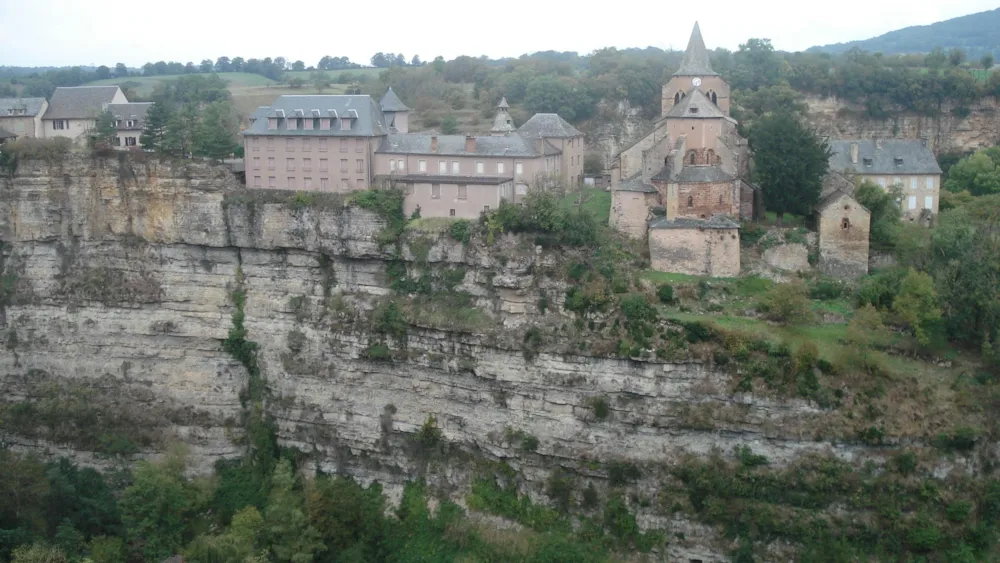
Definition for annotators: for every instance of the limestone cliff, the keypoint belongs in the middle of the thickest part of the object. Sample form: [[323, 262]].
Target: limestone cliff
[[117, 295]]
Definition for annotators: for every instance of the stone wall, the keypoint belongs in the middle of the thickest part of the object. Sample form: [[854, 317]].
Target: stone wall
[[844, 228], [630, 211], [696, 252], [703, 200]]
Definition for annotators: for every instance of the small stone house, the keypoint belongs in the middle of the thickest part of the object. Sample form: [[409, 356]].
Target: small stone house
[[129, 120], [843, 226], [697, 247], [22, 117]]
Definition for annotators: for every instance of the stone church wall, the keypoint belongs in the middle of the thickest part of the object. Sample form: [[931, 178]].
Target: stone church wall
[[696, 251], [629, 212]]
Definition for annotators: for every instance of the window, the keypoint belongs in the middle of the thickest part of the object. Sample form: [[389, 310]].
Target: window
[[307, 183], [677, 98], [289, 145], [392, 165], [867, 161], [116, 141], [442, 167], [690, 201], [324, 165], [307, 164], [845, 223], [256, 181], [324, 184], [715, 98], [480, 167], [59, 124], [345, 184], [343, 145], [422, 165], [930, 183], [928, 202], [359, 165], [400, 165], [435, 191], [912, 202], [270, 144], [691, 157], [359, 145], [289, 164], [913, 183], [345, 124], [720, 199], [322, 145], [343, 165], [130, 141], [291, 182], [256, 163], [272, 182], [519, 169], [463, 192], [455, 167], [451, 212], [897, 161], [306, 145], [499, 168], [270, 163], [255, 144], [710, 156]]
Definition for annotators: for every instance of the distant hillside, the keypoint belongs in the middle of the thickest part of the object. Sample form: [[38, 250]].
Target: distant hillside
[[977, 34]]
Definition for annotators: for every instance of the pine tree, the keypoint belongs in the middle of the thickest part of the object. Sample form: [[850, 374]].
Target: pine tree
[[291, 537], [215, 136], [156, 124], [178, 135]]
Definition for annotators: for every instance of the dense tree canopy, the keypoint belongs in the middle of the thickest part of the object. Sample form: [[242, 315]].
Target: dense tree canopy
[[789, 163]]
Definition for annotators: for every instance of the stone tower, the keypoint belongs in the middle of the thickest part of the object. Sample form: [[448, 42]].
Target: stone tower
[[502, 123], [397, 115], [695, 73]]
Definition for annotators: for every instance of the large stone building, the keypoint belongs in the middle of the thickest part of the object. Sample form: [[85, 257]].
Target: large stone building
[[906, 163], [690, 169], [22, 117], [843, 226], [129, 119], [343, 143]]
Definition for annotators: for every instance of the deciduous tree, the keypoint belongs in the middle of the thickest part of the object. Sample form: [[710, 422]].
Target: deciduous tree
[[289, 533], [916, 304]]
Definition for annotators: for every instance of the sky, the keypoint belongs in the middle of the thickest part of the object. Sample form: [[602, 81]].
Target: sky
[[94, 32]]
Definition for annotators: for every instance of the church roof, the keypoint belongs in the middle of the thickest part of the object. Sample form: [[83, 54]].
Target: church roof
[[391, 102], [696, 61], [696, 105], [835, 197], [503, 103]]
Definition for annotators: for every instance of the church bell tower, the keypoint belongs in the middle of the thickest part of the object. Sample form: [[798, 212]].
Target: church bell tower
[[695, 73]]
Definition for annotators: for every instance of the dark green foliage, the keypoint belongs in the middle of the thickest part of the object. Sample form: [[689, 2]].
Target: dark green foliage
[[623, 473], [80, 498], [541, 213], [559, 488], [239, 486], [155, 126], [789, 163], [826, 289], [590, 497], [880, 290], [601, 407], [748, 459], [389, 321], [525, 441], [637, 312], [962, 439], [461, 230], [751, 233], [388, 205], [665, 293], [885, 213], [531, 342]]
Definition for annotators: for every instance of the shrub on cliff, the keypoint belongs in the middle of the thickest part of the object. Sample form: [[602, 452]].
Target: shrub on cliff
[[787, 303], [542, 213], [49, 150]]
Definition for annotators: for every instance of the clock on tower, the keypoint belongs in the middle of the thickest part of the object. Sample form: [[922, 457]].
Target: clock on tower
[[696, 81]]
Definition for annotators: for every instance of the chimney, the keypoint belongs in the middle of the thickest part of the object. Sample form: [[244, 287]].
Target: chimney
[[434, 143], [470, 144], [854, 153]]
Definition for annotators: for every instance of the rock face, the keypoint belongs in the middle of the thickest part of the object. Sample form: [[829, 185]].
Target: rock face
[[118, 294]]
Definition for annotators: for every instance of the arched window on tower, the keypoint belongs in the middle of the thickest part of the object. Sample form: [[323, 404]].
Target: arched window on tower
[[713, 97], [677, 98], [690, 201], [691, 157]]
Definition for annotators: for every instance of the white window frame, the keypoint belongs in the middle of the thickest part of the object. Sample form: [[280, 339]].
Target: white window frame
[[463, 191], [456, 167], [519, 169], [480, 167], [928, 202], [499, 168], [930, 182], [422, 165], [442, 167], [401, 165], [911, 202], [392, 165], [435, 191]]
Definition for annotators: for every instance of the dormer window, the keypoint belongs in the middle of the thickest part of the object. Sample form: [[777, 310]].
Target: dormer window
[[130, 123], [345, 124], [898, 161], [868, 162], [693, 109]]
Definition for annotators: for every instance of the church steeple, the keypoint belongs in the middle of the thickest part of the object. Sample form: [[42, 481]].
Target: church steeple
[[696, 61], [502, 123]]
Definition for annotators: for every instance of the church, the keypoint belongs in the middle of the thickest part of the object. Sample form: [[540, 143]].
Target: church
[[685, 185]]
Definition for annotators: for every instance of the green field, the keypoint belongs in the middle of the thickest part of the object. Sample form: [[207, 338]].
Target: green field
[[147, 83], [370, 73]]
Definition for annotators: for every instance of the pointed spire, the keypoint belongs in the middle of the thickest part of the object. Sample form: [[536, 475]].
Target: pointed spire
[[503, 103], [391, 102], [696, 61], [502, 123]]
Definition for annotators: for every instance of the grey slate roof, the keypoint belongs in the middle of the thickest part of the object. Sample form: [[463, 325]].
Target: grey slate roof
[[916, 158], [548, 125], [5, 134], [31, 106], [696, 61], [503, 122], [79, 102], [834, 197], [449, 179], [635, 184], [369, 121], [391, 102], [135, 111], [454, 145], [713, 222], [696, 105], [260, 113], [703, 174], [503, 103]]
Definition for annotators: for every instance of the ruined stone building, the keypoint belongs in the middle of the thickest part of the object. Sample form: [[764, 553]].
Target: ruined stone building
[[684, 184]]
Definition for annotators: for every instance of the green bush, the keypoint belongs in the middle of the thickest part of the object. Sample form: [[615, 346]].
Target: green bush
[[751, 233], [600, 406], [787, 303], [962, 439], [665, 293], [461, 230], [622, 473], [541, 213], [880, 290], [825, 289]]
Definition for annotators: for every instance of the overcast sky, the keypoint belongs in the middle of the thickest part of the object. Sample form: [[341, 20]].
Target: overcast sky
[[69, 32]]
